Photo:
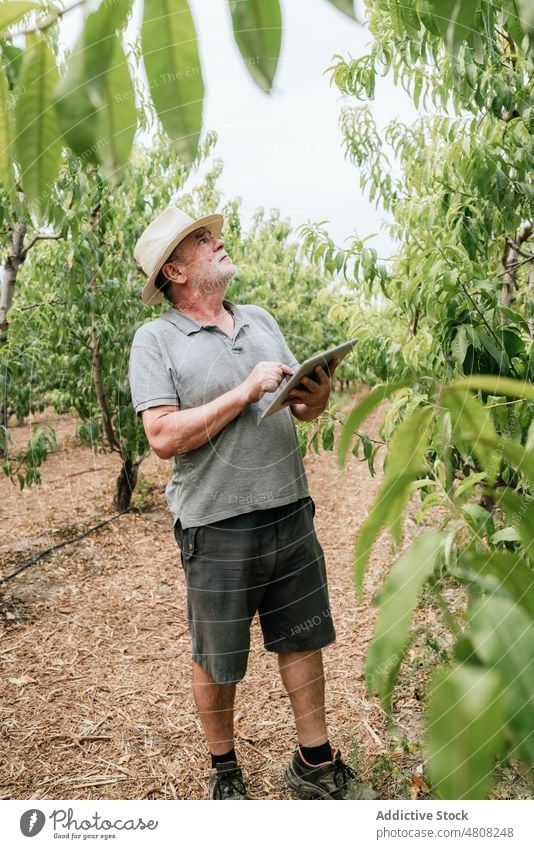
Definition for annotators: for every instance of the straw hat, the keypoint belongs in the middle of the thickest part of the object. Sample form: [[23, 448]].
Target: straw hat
[[160, 238]]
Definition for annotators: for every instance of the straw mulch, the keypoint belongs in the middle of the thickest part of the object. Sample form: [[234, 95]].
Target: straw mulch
[[95, 648]]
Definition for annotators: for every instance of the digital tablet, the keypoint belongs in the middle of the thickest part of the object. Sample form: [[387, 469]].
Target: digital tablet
[[305, 370]]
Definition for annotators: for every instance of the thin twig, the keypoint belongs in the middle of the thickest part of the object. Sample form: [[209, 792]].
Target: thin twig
[[39, 304], [517, 264], [49, 21]]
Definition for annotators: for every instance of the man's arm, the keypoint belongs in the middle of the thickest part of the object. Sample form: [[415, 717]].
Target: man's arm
[[307, 404], [172, 431]]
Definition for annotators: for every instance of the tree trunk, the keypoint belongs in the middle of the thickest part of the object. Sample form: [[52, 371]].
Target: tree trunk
[[530, 298], [125, 484], [511, 260], [509, 283], [98, 367], [9, 276], [98, 375], [415, 322]]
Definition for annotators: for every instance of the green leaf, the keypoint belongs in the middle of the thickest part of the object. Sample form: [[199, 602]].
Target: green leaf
[[116, 119], [469, 482], [500, 357], [455, 20], [503, 637], [397, 21], [464, 652], [406, 455], [382, 512], [361, 411], [371, 460], [426, 13], [345, 6], [526, 17], [258, 34], [409, 16], [396, 602], [82, 88], [520, 512], [328, 436], [405, 461], [472, 427], [520, 457], [480, 520], [464, 730], [174, 72], [13, 58], [408, 444], [512, 24], [508, 534], [38, 139], [496, 386], [13, 10], [513, 343], [435, 499], [7, 136], [459, 345], [510, 571], [501, 184]]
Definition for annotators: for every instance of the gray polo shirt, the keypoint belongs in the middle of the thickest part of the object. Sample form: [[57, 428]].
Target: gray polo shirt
[[246, 466]]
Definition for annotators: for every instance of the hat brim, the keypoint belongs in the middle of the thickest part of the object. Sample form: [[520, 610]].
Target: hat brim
[[151, 295]]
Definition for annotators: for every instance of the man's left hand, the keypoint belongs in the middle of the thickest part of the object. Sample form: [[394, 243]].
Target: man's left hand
[[315, 394]]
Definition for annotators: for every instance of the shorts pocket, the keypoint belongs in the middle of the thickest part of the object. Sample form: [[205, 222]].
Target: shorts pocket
[[185, 539], [189, 543], [312, 502]]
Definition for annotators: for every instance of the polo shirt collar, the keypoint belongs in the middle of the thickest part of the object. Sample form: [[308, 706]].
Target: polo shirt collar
[[188, 326]]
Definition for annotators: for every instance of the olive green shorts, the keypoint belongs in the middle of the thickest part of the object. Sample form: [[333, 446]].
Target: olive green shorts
[[266, 561]]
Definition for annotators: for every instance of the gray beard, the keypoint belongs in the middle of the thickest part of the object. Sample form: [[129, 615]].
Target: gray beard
[[206, 287]]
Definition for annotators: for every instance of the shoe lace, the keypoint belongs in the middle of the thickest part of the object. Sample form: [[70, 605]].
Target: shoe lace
[[230, 784], [343, 775]]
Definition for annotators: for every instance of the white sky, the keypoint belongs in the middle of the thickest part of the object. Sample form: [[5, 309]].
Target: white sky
[[285, 150]]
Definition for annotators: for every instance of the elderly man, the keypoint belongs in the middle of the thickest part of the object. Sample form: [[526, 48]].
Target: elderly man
[[200, 375]]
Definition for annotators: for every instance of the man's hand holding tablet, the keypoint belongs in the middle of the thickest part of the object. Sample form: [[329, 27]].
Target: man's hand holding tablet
[[313, 391], [309, 386]]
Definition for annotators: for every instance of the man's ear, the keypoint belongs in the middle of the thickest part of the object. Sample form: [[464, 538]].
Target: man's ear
[[172, 272]]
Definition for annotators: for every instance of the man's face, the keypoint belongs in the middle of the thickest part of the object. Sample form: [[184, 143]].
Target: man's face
[[205, 262]]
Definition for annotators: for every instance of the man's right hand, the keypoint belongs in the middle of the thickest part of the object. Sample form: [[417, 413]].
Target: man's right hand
[[264, 377]]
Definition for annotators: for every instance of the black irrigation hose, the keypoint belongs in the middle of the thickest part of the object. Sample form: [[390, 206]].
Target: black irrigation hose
[[37, 557]]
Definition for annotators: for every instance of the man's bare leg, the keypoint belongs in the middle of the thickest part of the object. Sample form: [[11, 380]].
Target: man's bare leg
[[303, 677], [215, 706]]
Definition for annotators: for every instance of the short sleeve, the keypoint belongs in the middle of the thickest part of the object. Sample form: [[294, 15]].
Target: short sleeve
[[288, 357], [151, 384]]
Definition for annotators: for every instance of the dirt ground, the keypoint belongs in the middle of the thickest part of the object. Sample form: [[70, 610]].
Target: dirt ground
[[94, 653]]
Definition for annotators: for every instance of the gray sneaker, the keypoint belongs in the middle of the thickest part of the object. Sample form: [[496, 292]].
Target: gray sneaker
[[331, 780], [226, 782]]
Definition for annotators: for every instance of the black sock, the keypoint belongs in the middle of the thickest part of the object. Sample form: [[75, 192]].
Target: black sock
[[315, 755], [223, 759]]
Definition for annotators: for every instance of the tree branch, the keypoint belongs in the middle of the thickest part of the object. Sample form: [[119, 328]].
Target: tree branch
[[39, 237], [47, 22], [39, 304], [518, 264]]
